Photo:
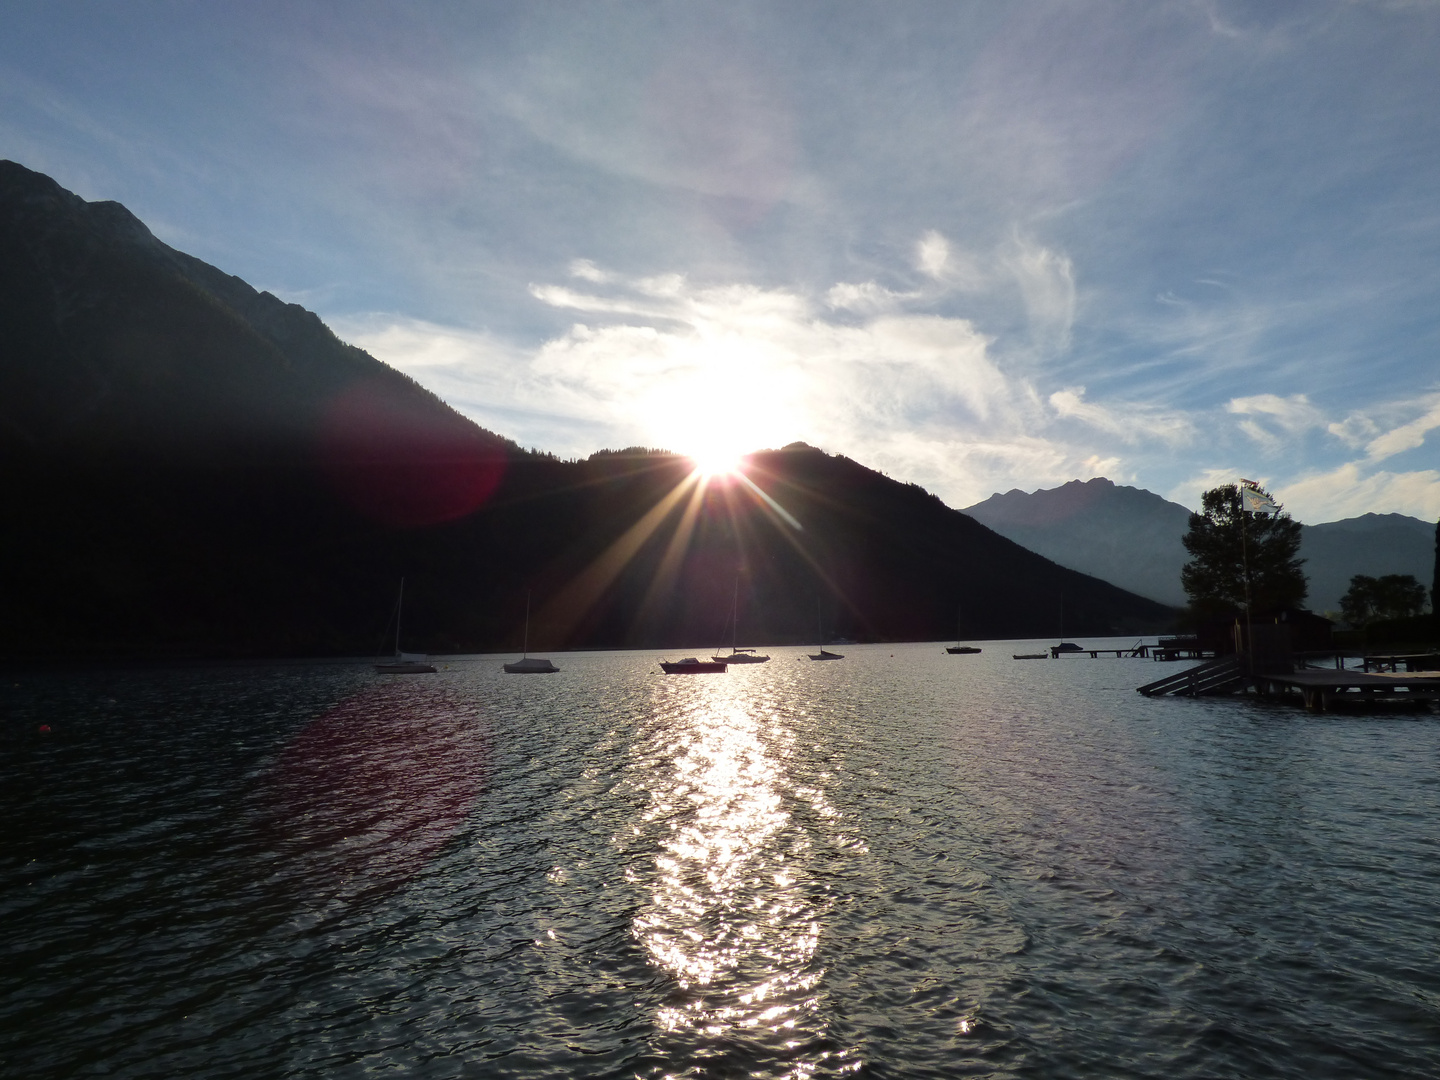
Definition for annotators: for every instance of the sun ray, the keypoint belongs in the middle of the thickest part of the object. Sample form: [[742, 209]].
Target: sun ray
[[669, 569], [574, 601]]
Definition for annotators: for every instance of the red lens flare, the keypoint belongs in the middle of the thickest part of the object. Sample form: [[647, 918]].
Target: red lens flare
[[405, 460], [372, 789]]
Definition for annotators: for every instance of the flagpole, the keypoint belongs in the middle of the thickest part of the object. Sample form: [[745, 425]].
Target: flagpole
[[1245, 566]]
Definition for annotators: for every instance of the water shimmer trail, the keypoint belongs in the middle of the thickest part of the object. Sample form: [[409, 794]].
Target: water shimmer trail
[[906, 864]]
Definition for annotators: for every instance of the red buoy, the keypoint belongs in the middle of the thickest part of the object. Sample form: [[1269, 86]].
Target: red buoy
[[44, 729]]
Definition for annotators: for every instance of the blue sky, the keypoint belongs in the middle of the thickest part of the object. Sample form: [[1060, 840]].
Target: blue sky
[[977, 246]]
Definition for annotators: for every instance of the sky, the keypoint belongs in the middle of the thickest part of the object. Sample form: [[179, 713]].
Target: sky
[[976, 246]]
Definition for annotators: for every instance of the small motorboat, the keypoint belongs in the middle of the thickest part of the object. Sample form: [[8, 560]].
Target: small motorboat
[[691, 665], [1030, 656]]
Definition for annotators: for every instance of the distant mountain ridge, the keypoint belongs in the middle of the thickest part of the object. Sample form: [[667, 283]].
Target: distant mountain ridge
[[1132, 537], [1372, 544], [193, 467], [1124, 535]]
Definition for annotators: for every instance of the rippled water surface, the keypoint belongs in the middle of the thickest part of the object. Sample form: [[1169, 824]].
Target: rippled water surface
[[900, 864]]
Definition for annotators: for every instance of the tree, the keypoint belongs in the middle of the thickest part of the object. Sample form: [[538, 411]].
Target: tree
[[1228, 545], [1393, 596]]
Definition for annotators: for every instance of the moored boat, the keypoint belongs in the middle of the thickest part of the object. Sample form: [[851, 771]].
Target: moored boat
[[692, 665], [741, 656], [824, 653], [738, 656], [961, 650], [527, 664], [404, 663], [530, 665]]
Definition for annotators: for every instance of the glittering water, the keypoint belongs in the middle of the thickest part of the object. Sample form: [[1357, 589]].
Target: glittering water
[[902, 864]]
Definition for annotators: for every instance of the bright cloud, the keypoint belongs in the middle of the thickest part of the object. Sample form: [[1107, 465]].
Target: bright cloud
[[660, 361], [932, 254], [1350, 490]]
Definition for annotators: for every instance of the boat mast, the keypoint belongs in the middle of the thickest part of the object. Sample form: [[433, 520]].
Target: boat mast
[[399, 604], [526, 651], [735, 615]]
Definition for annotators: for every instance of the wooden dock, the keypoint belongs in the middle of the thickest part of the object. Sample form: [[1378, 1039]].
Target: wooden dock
[[1222, 676], [1409, 661], [1319, 690], [1137, 649]]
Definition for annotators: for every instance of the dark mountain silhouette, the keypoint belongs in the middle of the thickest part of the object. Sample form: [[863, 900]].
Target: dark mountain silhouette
[[1131, 537], [192, 467]]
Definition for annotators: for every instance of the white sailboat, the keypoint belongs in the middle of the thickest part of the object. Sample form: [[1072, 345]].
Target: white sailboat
[[404, 663], [527, 664]]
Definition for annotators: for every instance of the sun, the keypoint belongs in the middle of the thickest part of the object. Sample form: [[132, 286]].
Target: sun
[[716, 461]]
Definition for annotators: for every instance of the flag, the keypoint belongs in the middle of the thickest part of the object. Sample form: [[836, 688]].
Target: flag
[[1255, 501]]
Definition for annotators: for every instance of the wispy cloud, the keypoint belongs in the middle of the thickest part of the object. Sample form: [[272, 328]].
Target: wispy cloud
[[1047, 282], [1284, 417], [1407, 436], [1130, 422]]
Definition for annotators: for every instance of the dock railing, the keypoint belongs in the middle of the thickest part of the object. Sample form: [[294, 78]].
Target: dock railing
[[1224, 675]]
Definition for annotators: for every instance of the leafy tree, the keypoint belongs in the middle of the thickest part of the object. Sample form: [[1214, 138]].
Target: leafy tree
[[1393, 596], [1224, 541]]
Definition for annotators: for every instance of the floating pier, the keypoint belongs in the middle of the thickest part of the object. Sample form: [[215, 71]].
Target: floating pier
[[1409, 661], [1141, 651], [1319, 689]]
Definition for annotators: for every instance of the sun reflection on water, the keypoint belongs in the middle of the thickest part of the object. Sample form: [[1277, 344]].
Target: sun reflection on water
[[733, 917]]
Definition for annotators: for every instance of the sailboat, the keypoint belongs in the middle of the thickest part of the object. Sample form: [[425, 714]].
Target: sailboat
[[738, 656], [404, 663], [1064, 646], [957, 649], [527, 664], [824, 653]]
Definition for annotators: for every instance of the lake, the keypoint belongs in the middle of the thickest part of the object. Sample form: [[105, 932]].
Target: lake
[[902, 864]]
